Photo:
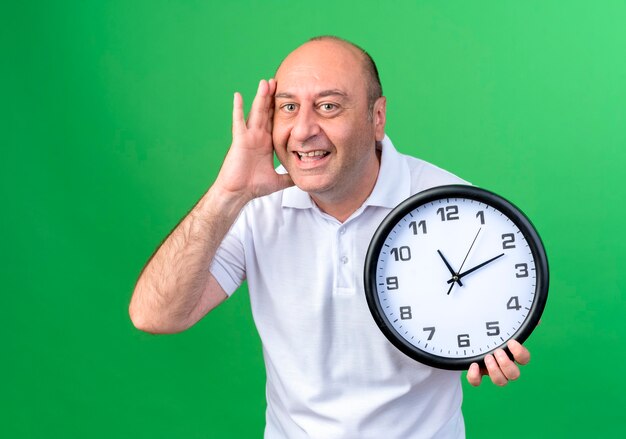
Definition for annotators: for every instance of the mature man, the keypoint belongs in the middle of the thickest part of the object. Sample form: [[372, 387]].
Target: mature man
[[330, 372]]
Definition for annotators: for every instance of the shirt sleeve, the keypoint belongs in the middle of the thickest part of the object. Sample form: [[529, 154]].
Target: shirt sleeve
[[229, 264]]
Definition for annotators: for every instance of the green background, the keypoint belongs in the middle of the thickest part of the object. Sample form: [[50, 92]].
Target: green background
[[115, 119]]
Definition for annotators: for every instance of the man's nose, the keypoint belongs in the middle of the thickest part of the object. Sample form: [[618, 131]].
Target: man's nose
[[305, 125]]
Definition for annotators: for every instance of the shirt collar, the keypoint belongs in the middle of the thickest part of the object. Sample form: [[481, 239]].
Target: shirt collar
[[294, 196], [392, 185]]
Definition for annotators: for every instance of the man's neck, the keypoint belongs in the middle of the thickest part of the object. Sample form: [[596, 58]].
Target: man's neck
[[342, 206]]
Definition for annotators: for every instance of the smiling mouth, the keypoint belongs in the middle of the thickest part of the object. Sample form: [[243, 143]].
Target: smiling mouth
[[311, 156]]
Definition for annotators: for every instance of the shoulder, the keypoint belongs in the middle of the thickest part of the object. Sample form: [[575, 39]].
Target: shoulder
[[267, 207], [258, 215], [425, 175], [422, 175]]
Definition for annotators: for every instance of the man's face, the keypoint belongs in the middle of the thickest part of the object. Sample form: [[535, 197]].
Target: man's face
[[323, 133]]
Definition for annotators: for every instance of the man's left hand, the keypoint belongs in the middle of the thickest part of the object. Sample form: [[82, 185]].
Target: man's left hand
[[500, 368]]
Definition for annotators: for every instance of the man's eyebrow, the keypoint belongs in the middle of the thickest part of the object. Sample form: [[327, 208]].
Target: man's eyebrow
[[335, 92], [322, 94]]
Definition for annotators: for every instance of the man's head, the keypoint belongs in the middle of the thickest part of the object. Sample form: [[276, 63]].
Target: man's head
[[374, 87], [329, 114]]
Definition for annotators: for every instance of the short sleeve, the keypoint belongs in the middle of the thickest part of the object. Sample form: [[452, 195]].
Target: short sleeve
[[229, 266]]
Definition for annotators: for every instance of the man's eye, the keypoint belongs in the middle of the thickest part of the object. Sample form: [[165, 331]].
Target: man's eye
[[289, 108], [328, 107]]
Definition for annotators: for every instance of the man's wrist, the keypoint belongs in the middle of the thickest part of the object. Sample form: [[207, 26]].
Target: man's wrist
[[220, 202]]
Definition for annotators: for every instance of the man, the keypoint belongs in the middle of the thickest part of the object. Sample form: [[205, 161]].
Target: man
[[330, 372]]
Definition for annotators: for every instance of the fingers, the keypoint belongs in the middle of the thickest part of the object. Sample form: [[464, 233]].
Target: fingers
[[520, 353], [270, 112], [495, 372], [508, 367], [259, 113], [500, 368], [474, 376], [239, 124], [262, 111], [272, 85]]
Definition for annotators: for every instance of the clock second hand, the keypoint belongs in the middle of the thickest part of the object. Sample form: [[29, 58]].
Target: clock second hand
[[456, 276]]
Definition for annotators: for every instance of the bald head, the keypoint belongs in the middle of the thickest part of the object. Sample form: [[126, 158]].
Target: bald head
[[367, 64]]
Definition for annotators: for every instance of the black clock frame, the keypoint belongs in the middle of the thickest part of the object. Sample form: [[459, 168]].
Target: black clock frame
[[452, 192]]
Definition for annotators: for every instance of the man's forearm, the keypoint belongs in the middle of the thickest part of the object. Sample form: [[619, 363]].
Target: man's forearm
[[173, 283], [176, 288]]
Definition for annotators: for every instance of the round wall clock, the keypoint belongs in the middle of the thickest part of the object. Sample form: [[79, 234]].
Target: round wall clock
[[453, 273]]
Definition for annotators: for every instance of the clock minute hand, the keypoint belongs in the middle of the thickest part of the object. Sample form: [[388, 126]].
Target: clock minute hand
[[471, 270], [455, 276]]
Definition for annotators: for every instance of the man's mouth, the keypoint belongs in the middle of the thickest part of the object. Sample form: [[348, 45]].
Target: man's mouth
[[311, 156]]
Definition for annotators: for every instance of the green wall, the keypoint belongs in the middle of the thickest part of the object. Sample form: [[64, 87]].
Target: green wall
[[115, 119]]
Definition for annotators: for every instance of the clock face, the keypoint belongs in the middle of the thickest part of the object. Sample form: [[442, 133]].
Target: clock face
[[453, 273]]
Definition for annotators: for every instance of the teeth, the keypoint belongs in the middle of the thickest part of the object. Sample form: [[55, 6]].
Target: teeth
[[312, 153]]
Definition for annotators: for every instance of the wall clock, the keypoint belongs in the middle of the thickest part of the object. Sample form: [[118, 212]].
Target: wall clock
[[453, 273]]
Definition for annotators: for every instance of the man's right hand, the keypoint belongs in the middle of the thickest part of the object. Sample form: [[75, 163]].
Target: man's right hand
[[248, 169], [175, 289]]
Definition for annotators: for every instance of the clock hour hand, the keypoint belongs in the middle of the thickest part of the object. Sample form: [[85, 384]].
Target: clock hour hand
[[455, 277], [471, 270]]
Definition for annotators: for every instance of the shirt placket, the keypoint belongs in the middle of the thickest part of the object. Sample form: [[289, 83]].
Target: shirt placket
[[344, 262]]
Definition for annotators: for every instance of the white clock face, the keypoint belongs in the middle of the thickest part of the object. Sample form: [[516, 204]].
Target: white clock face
[[455, 278]]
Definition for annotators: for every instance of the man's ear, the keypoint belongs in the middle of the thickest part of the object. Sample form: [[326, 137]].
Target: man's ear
[[380, 117]]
